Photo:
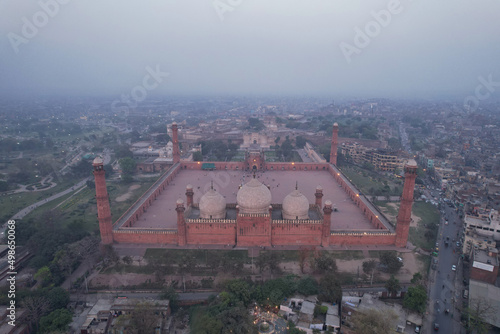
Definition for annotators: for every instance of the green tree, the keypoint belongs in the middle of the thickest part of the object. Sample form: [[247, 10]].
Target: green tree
[[369, 266], [240, 289], [392, 285], [478, 312], [56, 321], [300, 142], [330, 289], [144, 318], [172, 296], [307, 286], [391, 262], [416, 298], [255, 124], [44, 275], [417, 278], [197, 156], [325, 263], [374, 321], [128, 165]]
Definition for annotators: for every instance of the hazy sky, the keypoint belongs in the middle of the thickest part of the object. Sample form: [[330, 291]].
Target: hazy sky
[[422, 48]]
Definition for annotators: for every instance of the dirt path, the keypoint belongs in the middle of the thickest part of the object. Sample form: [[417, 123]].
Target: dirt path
[[129, 192], [414, 219]]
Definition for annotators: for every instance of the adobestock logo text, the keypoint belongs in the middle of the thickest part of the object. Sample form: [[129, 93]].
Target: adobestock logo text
[[30, 28]]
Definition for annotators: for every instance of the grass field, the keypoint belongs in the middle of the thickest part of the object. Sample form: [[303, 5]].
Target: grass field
[[82, 206], [369, 182], [424, 235], [11, 204]]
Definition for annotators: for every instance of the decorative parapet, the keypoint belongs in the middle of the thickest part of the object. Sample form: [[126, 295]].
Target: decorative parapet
[[253, 215], [297, 221], [360, 233], [210, 221], [146, 230]]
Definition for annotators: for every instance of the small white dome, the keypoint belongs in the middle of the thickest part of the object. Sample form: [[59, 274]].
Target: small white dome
[[254, 197], [295, 206], [212, 205], [97, 161]]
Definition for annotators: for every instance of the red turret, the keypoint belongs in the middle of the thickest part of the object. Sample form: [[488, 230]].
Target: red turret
[[103, 209], [333, 149], [404, 215], [181, 223], [327, 220], [175, 141]]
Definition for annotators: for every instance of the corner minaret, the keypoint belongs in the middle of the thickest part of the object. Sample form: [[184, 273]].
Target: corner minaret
[[327, 220], [181, 223], [103, 209], [175, 140], [335, 139], [404, 214]]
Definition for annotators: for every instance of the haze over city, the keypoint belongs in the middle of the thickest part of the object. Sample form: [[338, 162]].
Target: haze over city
[[249, 166], [422, 48]]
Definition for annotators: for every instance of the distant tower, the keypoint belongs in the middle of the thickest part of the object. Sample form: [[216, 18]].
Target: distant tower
[[103, 209], [404, 215], [335, 139], [175, 141], [319, 195], [189, 195]]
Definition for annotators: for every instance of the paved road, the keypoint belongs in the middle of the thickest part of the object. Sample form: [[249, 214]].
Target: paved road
[[447, 288], [32, 207], [150, 295]]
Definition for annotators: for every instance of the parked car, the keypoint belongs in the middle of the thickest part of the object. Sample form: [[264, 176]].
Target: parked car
[[454, 267]]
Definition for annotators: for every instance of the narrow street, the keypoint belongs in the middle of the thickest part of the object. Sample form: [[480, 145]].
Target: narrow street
[[445, 298]]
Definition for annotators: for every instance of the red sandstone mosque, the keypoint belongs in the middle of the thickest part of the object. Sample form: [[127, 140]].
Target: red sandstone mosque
[[253, 203]]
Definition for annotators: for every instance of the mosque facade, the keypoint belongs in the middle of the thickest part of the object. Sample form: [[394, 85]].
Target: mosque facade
[[254, 219]]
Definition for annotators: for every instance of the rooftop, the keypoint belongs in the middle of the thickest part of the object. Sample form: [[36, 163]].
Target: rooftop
[[162, 214]]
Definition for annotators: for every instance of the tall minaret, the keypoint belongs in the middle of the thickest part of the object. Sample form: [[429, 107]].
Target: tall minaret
[[327, 220], [404, 214], [103, 209], [175, 141], [333, 150]]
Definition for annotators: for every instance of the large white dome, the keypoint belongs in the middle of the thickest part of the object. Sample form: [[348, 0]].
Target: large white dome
[[254, 197], [212, 205], [295, 206]]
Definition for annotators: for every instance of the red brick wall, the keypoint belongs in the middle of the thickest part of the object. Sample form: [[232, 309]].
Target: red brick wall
[[253, 230], [296, 234], [362, 239], [196, 165], [145, 237], [211, 233], [484, 275]]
